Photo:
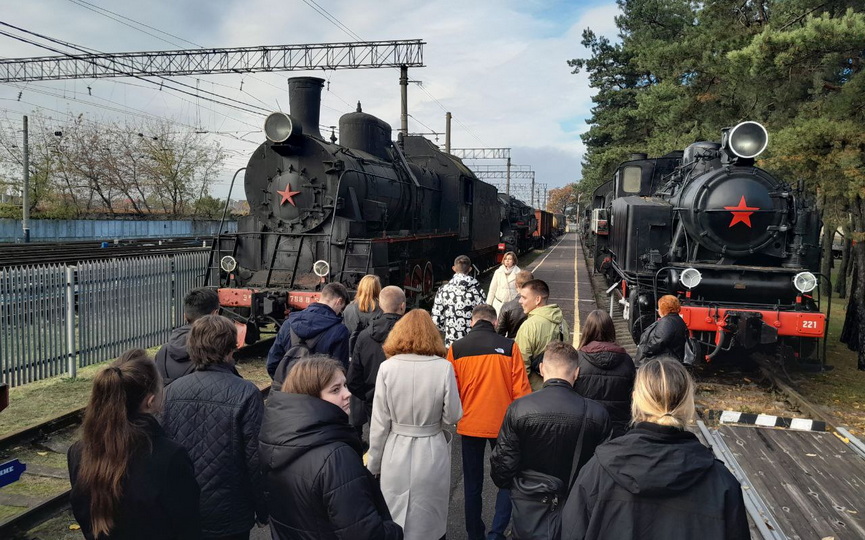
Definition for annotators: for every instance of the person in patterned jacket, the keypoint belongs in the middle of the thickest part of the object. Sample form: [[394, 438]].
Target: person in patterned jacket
[[452, 310]]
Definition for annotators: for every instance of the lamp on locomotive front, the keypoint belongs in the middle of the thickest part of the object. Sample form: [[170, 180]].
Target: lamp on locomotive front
[[744, 142], [279, 127]]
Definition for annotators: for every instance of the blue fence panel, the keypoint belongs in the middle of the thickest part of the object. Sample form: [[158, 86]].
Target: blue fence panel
[[60, 230]]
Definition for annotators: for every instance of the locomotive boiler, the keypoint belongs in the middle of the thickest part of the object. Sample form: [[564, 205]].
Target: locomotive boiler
[[738, 246], [322, 212]]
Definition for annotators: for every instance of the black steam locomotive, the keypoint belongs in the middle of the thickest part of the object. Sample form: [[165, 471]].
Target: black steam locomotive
[[739, 247], [322, 212]]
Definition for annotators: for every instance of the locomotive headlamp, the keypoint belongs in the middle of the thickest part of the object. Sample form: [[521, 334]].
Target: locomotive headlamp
[[321, 268], [747, 140], [278, 127], [690, 278], [805, 282], [228, 263]]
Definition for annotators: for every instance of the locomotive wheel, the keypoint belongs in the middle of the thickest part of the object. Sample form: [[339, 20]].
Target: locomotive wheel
[[414, 285], [637, 321], [428, 279]]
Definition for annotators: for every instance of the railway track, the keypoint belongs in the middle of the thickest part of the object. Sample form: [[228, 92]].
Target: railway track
[[64, 253], [54, 437]]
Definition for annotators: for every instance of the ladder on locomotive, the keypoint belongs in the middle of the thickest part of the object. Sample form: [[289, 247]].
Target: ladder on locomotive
[[217, 252], [293, 253]]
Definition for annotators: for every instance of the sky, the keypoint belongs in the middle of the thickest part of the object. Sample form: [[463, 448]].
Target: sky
[[500, 67]]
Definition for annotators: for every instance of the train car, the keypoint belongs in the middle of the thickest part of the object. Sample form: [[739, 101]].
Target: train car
[[559, 225], [322, 212], [517, 226], [543, 234], [738, 246]]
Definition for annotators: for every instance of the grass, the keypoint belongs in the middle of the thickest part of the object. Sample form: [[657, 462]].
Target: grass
[[842, 390]]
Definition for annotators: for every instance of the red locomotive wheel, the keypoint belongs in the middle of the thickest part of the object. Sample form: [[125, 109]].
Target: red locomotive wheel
[[428, 279]]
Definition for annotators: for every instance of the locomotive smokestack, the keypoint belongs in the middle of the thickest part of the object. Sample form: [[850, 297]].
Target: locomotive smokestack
[[304, 95]]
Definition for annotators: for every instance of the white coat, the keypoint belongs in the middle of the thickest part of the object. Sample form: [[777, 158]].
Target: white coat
[[503, 287], [414, 397]]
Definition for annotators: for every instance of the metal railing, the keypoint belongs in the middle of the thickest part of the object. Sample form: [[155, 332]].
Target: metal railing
[[56, 318]]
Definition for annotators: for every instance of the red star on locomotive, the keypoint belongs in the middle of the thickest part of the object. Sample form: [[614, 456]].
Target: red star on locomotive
[[287, 195], [741, 213]]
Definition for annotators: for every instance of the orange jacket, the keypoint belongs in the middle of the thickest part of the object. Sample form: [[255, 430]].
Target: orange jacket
[[490, 375]]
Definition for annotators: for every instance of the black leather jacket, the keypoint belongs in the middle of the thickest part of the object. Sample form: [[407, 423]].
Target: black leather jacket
[[540, 433], [666, 336]]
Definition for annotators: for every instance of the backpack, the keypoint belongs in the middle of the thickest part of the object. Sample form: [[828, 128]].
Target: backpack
[[538, 358], [300, 348]]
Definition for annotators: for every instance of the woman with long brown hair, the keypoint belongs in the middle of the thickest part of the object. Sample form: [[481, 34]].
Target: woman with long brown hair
[[416, 394], [606, 372], [657, 480], [129, 480], [315, 482]]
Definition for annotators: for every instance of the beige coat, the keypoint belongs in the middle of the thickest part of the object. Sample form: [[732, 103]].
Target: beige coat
[[503, 287], [414, 397]]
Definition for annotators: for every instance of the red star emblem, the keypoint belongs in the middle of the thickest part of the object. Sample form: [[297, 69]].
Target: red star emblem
[[741, 213], [287, 195]]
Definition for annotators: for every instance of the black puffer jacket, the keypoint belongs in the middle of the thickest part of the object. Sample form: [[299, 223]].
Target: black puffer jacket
[[655, 482], [314, 476], [172, 360], [607, 376], [666, 336], [368, 357], [540, 433], [511, 317], [216, 415]]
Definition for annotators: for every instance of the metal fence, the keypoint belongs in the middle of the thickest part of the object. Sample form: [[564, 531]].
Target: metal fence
[[57, 318]]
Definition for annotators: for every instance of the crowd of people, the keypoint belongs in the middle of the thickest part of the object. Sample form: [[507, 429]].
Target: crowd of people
[[585, 443]]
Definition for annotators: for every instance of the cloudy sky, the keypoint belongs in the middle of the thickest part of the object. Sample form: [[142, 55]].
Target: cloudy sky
[[498, 66]]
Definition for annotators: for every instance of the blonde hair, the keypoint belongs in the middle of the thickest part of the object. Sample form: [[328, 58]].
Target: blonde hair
[[367, 293], [663, 394], [414, 333]]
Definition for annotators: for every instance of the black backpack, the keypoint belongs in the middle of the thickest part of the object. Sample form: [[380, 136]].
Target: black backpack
[[300, 348], [538, 358]]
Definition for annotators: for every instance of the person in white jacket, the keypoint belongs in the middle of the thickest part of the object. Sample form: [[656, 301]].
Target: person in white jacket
[[504, 285], [416, 396]]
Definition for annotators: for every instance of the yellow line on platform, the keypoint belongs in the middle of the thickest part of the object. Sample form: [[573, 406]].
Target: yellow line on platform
[[576, 296]]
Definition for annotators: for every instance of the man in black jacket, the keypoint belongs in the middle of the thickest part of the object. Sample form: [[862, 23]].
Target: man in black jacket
[[666, 336], [216, 415], [512, 316], [368, 355], [540, 430], [172, 360]]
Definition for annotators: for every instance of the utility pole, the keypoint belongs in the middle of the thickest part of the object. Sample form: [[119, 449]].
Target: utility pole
[[25, 210], [508, 181], [447, 133], [403, 89]]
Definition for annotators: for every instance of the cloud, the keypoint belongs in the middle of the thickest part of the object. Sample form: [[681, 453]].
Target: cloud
[[499, 67]]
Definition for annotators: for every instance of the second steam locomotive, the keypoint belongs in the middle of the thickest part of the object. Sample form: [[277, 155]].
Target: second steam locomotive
[[739, 247]]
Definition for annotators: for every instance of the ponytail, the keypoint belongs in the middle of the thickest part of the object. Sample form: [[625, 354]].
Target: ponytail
[[112, 431], [663, 394]]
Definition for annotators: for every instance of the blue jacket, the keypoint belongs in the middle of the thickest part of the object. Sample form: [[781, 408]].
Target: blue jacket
[[310, 322]]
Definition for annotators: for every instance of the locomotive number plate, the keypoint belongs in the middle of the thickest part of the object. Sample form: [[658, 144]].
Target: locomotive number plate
[[811, 325]]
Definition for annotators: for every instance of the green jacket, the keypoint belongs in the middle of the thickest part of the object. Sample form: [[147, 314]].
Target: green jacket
[[541, 327]]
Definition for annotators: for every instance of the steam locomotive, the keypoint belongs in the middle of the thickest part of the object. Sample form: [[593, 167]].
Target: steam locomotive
[[321, 212], [739, 247]]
